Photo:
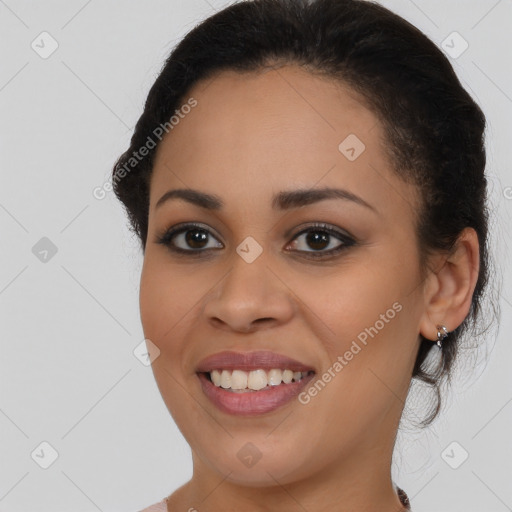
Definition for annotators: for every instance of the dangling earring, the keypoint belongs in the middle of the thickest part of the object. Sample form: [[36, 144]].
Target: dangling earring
[[441, 335]]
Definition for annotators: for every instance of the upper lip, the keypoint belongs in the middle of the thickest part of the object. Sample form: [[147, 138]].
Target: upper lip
[[248, 361]]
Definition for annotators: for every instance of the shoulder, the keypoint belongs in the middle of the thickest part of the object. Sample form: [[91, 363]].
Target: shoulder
[[161, 506]]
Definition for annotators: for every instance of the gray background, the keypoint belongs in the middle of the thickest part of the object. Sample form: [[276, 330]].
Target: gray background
[[70, 320]]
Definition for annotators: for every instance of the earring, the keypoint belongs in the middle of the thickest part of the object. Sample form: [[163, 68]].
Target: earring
[[441, 335]]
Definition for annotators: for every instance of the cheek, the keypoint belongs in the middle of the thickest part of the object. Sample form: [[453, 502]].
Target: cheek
[[366, 358], [366, 315], [348, 302], [155, 298], [166, 300], [167, 295]]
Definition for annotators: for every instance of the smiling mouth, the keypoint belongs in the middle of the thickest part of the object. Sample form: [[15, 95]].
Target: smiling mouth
[[252, 383]]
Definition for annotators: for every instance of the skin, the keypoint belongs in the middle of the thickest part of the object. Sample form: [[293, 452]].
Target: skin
[[250, 136]]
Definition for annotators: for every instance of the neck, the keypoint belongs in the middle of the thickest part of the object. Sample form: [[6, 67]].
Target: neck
[[360, 483]]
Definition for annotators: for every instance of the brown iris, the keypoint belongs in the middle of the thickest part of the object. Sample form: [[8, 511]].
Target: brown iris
[[196, 238], [317, 239]]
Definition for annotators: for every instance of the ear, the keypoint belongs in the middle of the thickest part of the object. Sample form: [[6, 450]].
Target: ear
[[448, 291]]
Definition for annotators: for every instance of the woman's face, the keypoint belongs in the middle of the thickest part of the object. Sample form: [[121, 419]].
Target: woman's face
[[343, 299]]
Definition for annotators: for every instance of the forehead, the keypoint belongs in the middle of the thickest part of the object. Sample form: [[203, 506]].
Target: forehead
[[252, 134]]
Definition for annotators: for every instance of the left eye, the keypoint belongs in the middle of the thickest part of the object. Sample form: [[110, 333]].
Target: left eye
[[323, 240], [190, 239]]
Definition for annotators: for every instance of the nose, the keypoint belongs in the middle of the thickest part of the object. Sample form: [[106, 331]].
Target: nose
[[249, 298]]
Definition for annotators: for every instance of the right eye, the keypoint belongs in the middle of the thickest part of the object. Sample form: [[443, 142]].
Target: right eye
[[189, 238]]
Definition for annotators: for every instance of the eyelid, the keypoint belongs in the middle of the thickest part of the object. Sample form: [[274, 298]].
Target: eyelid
[[321, 226], [170, 233], [183, 226], [346, 240]]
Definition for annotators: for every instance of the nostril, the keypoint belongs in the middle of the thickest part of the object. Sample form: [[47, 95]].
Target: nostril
[[261, 322]]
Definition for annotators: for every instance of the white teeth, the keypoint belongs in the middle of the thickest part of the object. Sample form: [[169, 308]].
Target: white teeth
[[254, 380], [257, 379], [225, 379], [275, 377], [287, 376], [238, 379], [215, 376]]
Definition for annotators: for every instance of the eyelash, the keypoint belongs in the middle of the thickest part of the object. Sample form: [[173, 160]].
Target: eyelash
[[167, 237]]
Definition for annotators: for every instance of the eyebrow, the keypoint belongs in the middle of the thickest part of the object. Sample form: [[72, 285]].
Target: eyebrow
[[285, 200]]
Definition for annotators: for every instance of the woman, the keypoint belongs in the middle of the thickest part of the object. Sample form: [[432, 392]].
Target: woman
[[307, 183]]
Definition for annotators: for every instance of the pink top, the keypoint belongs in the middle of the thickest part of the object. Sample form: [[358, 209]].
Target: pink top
[[161, 506]]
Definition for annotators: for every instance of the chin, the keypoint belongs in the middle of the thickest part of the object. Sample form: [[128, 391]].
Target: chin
[[245, 464]]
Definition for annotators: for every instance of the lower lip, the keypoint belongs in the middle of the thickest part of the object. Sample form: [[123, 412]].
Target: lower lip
[[255, 402]]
